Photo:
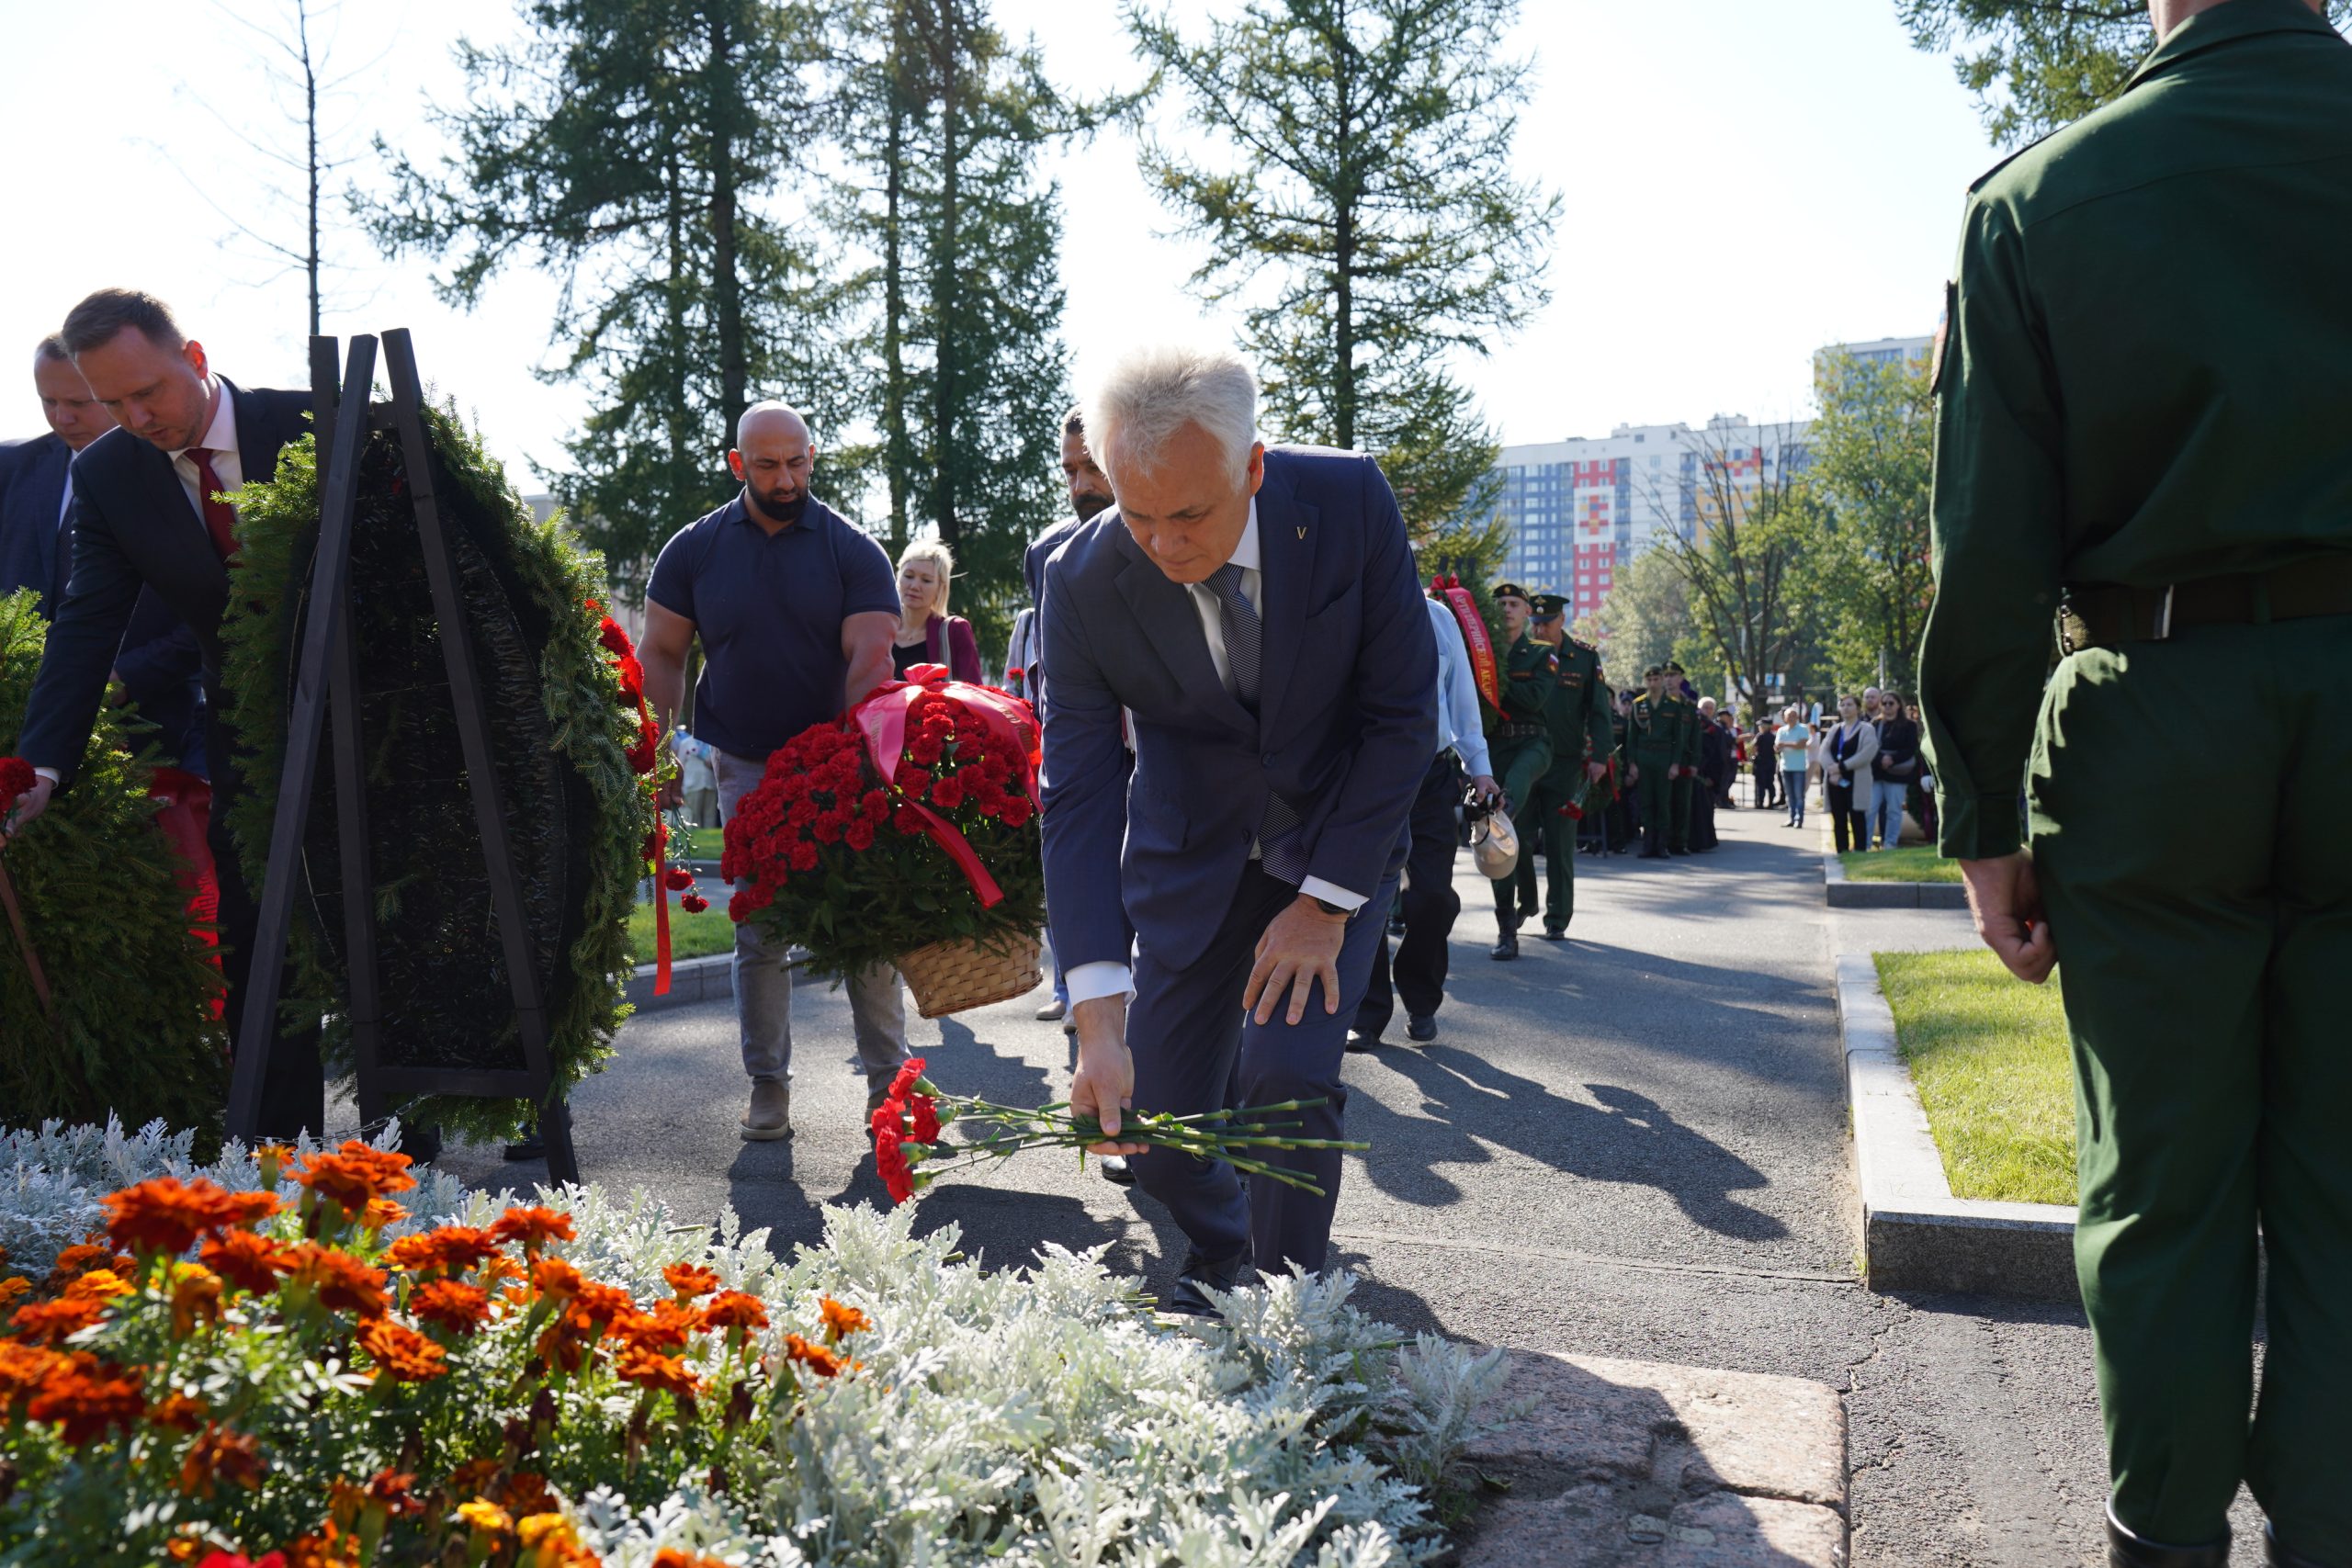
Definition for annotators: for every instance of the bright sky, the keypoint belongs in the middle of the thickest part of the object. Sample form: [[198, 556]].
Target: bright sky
[[1745, 180]]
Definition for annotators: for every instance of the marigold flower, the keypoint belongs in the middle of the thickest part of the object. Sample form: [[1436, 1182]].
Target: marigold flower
[[816, 1357], [53, 1322], [487, 1516], [451, 1305], [246, 1259], [82, 1257], [99, 1285], [473, 1475], [195, 1297], [382, 1213], [555, 1277], [600, 1304], [673, 1557], [650, 1369], [219, 1455], [177, 1412], [393, 1491], [401, 1353], [251, 1208], [332, 1547], [541, 1532], [666, 1327], [690, 1279], [733, 1309], [445, 1249], [165, 1215], [840, 1322], [88, 1397], [355, 1174], [339, 1281], [534, 1228], [24, 1369], [523, 1493]]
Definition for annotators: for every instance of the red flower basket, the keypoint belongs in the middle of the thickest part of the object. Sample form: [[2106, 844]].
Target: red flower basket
[[904, 832]]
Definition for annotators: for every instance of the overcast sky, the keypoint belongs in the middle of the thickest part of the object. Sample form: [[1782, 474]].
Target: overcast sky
[[1743, 181]]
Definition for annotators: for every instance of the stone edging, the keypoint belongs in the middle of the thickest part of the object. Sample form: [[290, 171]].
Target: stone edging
[[1916, 1234], [1846, 894]]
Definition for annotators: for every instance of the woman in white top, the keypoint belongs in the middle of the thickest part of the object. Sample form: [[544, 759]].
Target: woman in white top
[[1846, 753], [1793, 746]]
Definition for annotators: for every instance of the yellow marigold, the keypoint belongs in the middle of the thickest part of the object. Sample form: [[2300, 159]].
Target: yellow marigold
[[486, 1517], [195, 1297]]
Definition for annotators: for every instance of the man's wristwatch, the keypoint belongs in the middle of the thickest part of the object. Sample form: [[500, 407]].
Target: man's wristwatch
[[1340, 910]]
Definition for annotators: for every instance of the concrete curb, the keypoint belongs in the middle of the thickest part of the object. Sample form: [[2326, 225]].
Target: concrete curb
[[691, 980], [1916, 1234], [1846, 894]]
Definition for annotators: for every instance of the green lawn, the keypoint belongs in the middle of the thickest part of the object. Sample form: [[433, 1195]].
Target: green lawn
[[691, 936], [1910, 863], [706, 844], [1989, 1055]]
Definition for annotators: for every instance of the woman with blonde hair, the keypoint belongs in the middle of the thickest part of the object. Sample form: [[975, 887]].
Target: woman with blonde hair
[[927, 633]]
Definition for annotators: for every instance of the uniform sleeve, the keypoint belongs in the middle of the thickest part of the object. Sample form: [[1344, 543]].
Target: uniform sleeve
[[867, 583], [672, 584], [1996, 521]]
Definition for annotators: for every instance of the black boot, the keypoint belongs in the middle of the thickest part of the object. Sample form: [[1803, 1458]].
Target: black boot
[[2125, 1549], [1506, 945], [2276, 1554]]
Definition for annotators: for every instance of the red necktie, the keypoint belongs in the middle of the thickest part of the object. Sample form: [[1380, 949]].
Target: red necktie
[[219, 517]]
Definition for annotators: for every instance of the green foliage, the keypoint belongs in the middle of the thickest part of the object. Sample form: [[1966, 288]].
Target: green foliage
[[1871, 461], [2036, 65], [1366, 219], [1646, 620], [1743, 569], [691, 936], [623, 145], [575, 812], [98, 886], [1990, 1056], [956, 323]]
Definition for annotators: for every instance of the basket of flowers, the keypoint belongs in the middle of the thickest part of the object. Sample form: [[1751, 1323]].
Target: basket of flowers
[[903, 832]]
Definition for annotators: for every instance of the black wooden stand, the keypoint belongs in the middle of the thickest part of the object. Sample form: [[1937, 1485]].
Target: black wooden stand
[[326, 679]]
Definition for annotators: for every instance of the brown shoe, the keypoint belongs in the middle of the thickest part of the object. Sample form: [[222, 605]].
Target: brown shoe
[[770, 1117]]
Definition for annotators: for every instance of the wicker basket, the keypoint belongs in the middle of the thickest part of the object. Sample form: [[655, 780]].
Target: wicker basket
[[956, 976]]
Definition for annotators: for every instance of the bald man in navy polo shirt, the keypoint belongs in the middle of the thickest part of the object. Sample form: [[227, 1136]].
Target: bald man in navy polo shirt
[[795, 609]]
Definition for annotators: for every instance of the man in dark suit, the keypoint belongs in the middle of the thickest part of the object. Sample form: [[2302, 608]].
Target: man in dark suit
[[1258, 615], [157, 665], [148, 515]]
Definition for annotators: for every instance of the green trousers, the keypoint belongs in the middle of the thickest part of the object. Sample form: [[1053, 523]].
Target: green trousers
[[1677, 835], [1559, 787], [1520, 767], [2203, 924], [1655, 794]]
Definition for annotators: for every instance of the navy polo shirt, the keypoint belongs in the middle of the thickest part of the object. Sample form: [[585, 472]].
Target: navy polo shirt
[[769, 610]]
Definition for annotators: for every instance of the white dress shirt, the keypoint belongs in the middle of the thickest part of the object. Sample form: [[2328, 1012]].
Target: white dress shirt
[[1459, 724], [1089, 981]]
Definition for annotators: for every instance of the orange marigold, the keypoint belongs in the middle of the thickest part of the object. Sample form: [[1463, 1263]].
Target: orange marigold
[[165, 1215], [733, 1309], [99, 1285], [601, 1304], [88, 1397], [83, 1256], [340, 1281], [382, 1213], [53, 1322], [332, 1547], [251, 1208], [13, 1287], [534, 1228], [673, 1557], [816, 1357], [24, 1369], [246, 1259], [401, 1353], [690, 1279], [840, 1322], [665, 1328], [649, 1368], [177, 1412], [555, 1277], [195, 1297], [445, 1249], [471, 1477], [356, 1174], [451, 1305], [393, 1491], [219, 1455]]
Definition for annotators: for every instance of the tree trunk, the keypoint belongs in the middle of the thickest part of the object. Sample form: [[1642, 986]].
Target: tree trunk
[[946, 454], [727, 287], [898, 460], [1343, 245], [310, 127]]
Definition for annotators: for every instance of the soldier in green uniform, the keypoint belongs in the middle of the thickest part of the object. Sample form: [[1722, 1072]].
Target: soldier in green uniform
[[1519, 742], [1684, 774], [1577, 716], [1653, 741], [2145, 386]]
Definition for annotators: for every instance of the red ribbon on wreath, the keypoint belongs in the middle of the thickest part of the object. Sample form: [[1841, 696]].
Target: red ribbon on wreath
[[1483, 668], [881, 719]]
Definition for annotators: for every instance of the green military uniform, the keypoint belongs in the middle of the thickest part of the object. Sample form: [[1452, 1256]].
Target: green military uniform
[[2144, 388], [1577, 718], [1685, 788], [1653, 741], [1519, 745]]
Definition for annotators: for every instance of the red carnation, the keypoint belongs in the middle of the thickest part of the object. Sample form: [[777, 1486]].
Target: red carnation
[[802, 856], [1017, 811], [677, 879], [889, 1160], [693, 903], [632, 677], [923, 1113], [17, 776], [615, 640], [859, 835], [948, 792]]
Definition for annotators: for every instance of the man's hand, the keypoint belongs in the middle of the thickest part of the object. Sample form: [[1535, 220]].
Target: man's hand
[[1633, 772], [671, 794], [1104, 1084], [27, 806], [2006, 899], [1300, 947], [1595, 772], [1486, 788]]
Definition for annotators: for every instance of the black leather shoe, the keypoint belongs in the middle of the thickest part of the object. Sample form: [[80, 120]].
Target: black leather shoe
[[421, 1144], [529, 1146], [2125, 1549], [1420, 1027], [2278, 1554], [1116, 1170], [1554, 933], [1506, 947], [1359, 1042], [1189, 1296]]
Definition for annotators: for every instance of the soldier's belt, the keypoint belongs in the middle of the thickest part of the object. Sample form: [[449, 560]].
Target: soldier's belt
[[1511, 729], [2109, 615]]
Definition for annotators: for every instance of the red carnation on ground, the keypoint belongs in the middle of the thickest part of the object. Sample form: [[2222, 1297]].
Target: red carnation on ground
[[889, 1160]]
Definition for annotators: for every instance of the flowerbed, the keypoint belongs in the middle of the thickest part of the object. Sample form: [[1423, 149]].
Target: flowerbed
[[349, 1370]]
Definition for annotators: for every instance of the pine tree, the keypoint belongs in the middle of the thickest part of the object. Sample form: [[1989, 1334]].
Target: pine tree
[[627, 145], [1366, 220]]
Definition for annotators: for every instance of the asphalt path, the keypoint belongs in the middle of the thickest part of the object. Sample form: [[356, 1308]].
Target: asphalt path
[[1631, 1144]]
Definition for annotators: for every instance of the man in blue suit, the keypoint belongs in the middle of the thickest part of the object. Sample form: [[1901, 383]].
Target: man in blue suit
[[1259, 615]]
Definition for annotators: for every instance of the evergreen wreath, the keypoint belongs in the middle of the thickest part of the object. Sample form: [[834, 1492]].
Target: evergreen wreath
[[576, 814], [98, 885]]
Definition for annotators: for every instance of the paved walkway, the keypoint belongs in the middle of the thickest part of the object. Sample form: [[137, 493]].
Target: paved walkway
[[1630, 1144]]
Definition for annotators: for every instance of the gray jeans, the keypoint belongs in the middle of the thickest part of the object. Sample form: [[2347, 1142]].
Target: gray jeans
[[764, 981]]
